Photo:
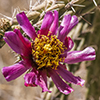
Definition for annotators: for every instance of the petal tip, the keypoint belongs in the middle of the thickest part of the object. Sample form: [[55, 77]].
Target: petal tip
[[81, 83]]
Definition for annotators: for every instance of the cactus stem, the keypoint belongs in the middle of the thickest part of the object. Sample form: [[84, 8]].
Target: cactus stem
[[85, 20], [78, 5], [95, 3], [9, 18], [73, 9]]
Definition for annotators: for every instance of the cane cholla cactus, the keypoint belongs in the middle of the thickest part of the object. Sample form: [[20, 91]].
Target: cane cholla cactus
[[47, 53], [84, 7]]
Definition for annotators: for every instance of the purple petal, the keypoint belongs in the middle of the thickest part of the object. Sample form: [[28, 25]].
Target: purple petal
[[27, 44], [54, 26], [24, 40], [67, 24], [12, 39], [64, 27], [43, 31], [78, 56], [68, 76], [42, 81], [47, 21], [30, 79], [17, 42], [26, 25], [63, 55], [14, 71], [60, 84], [66, 20], [68, 43], [74, 22]]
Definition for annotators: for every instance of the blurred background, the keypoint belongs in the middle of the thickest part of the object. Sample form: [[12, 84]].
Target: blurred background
[[83, 35]]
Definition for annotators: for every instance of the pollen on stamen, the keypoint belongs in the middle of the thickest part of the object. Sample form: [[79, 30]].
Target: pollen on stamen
[[46, 51]]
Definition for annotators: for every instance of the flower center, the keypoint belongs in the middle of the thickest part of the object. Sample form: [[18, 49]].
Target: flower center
[[46, 51]]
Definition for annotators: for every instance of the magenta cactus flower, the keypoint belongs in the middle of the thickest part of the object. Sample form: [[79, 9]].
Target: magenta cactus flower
[[46, 54]]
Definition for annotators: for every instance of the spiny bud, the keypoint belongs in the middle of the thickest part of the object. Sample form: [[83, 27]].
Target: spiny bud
[[4, 24]]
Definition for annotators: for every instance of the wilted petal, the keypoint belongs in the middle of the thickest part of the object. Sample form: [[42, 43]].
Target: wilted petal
[[26, 25], [68, 76], [78, 56], [68, 42], [60, 84], [30, 79], [54, 26], [42, 81], [67, 24], [14, 71], [47, 21]]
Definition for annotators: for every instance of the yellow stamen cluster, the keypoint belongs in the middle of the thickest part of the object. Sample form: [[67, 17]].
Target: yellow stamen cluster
[[46, 51]]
